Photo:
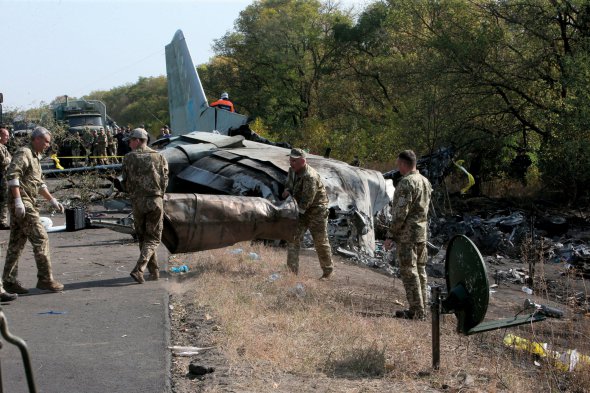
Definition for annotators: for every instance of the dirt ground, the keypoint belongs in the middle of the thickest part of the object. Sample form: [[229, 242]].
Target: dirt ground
[[373, 293], [370, 293]]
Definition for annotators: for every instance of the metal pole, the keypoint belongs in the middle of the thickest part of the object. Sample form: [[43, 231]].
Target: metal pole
[[435, 311], [19, 342], [1, 384]]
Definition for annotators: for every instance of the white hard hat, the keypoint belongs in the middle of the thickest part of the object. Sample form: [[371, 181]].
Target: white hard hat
[[46, 222], [224, 96]]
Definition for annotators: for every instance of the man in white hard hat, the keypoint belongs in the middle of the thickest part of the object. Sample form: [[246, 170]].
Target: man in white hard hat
[[224, 103]]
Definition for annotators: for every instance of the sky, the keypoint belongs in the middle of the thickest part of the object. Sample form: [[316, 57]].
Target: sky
[[51, 48]]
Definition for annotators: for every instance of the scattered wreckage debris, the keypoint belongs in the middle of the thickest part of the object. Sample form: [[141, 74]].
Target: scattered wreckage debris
[[435, 166], [122, 225], [467, 295], [505, 233]]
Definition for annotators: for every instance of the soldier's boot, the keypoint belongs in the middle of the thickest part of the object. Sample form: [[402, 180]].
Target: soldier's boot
[[410, 314], [50, 285], [154, 274], [137, 276], [15, 287], [7, 297], [328, 274]]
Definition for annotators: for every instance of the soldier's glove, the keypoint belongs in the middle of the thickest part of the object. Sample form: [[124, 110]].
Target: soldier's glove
[[56, 205], [19, 207]]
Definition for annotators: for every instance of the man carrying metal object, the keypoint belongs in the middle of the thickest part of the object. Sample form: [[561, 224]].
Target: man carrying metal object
[[25, 182], [305, 186]]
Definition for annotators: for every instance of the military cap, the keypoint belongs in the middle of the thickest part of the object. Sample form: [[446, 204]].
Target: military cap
[[138, 133], [298, 153]]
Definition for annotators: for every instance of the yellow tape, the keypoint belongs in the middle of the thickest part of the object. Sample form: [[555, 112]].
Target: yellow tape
[[56, 159], [469, 176], [567, 361], [53, 156]]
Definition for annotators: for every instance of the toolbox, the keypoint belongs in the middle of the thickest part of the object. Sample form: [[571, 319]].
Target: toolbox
[[75, 219]]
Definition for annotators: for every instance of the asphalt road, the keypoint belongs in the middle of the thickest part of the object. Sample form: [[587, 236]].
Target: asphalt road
[[104, 333]]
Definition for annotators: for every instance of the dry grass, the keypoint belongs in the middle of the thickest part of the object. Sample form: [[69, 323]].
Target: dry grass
[[310, 329]]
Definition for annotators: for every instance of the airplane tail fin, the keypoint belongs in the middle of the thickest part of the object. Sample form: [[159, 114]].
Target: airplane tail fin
[[189, 109]]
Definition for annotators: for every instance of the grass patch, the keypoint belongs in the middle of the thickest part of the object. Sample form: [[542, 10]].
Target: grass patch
[[276, 324]]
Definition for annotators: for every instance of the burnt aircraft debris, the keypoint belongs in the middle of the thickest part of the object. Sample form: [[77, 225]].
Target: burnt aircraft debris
[[504, 233], [435, 166], [208, 163]]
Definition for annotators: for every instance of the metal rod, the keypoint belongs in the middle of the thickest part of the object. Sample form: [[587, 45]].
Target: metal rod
[[1, 384], [19, 342], [435, 311]]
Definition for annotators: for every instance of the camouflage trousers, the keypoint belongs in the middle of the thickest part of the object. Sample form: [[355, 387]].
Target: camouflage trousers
[[148, 216], [412, 259], [3, 202], [29, 227], [101, 152], [316, 220], [112, 151]]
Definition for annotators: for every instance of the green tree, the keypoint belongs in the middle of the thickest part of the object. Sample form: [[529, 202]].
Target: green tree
[[276, 59]]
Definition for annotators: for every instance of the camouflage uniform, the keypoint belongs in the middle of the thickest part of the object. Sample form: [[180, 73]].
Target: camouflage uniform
[[88, 145], [310, 194], [101, 148], [76, 147], [111, 147], [26, 167], [409, 230], [145, 178], [5, 158]]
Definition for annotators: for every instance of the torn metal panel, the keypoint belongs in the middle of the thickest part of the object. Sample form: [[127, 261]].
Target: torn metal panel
[[206, 179], [194, 222], [262, 167]]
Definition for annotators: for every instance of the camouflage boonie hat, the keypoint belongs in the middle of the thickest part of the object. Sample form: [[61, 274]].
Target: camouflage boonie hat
[[298, 153]]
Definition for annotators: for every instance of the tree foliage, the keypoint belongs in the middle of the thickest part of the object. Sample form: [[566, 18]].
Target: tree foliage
[[488, 77]]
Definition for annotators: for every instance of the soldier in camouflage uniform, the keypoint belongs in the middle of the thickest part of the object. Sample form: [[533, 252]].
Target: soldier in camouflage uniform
[[145, 178], [409, 230], [305, 186], [25, 182], [5, 158], [101, 147], [111, 147], [94, 148]]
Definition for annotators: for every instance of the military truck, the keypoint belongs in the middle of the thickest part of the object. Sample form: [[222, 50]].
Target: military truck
[[81, 117]]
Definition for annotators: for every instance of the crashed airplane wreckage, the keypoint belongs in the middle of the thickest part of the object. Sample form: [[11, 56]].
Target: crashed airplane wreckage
[[205, 163], [225, 188]]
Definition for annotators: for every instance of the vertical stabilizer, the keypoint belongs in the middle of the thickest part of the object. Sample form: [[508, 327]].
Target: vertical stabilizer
[[189, 109]]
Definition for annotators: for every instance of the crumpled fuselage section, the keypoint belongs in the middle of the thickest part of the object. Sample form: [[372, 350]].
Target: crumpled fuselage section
[[213, 164]]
